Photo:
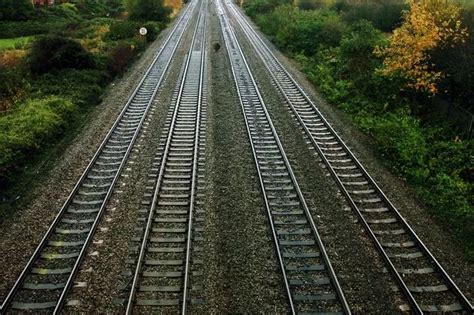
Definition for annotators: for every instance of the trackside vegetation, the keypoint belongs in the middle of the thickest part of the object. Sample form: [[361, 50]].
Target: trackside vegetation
[[55, 63], [398, 68]]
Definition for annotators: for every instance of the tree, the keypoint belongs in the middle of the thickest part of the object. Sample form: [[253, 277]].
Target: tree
[[428, 25], [151, 10], [15, 10]]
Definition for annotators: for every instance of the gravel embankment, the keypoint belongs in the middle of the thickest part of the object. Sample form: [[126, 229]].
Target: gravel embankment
[[437, 238], [22, 232], [242, 271]]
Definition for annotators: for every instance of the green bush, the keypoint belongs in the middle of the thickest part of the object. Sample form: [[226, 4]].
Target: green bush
[[26, 129], [27, 28], [115, 8], [12, 82], [67, 11], [450, 157], [56, 53], [94, 8], [275, 24], [85, 87], [122, 30], [261, 7], [15, 10], [322, 70], [449, 196], [120, 57], [311, 4], [401, 138], [357, 48], [153, 29], [314, 30], [301, 31], [385, 16], [59, 18], [150, 10]]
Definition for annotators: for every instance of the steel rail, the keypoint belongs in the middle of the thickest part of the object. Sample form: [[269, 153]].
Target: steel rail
[[140, 261], [6, 303], [194, 175], [335, 283], [266, 54], [267, 206]]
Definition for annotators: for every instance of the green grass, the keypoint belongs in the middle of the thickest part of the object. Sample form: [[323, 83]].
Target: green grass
[[7, 43]]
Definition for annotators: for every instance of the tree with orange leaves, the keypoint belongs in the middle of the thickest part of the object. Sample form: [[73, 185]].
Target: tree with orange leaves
[[428, 24]]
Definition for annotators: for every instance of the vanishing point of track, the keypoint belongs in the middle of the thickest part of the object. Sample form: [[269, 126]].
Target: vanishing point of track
[[424, 282], [49, 274], [310, 281]]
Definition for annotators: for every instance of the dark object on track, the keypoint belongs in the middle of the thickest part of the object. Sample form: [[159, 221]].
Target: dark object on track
[[216, 47]]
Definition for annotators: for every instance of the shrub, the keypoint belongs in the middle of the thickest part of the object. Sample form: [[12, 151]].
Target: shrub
[[25, 130], [260, 7], [122, 30], [323, 70], [356, 53], [85, 87], [66, 11], [95, 42], [303, 31], [150, 10], [31, 27], [401, 138], [15, 10], [12, 57], [94, 8], [120, 57], [276, 23], [310, 4], [115, 8], [385, 16], [56, 52], [313, 30], [93, 28], [129, 4], [153, 29], [448, 196], [12, 85]]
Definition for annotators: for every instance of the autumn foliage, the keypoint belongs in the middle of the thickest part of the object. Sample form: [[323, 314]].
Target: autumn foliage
[[428, 24], [176, 5]]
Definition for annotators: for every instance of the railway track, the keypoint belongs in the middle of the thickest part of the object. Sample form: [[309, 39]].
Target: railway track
[[425, 284], [310, 281], [167, 266], [49, 274]]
